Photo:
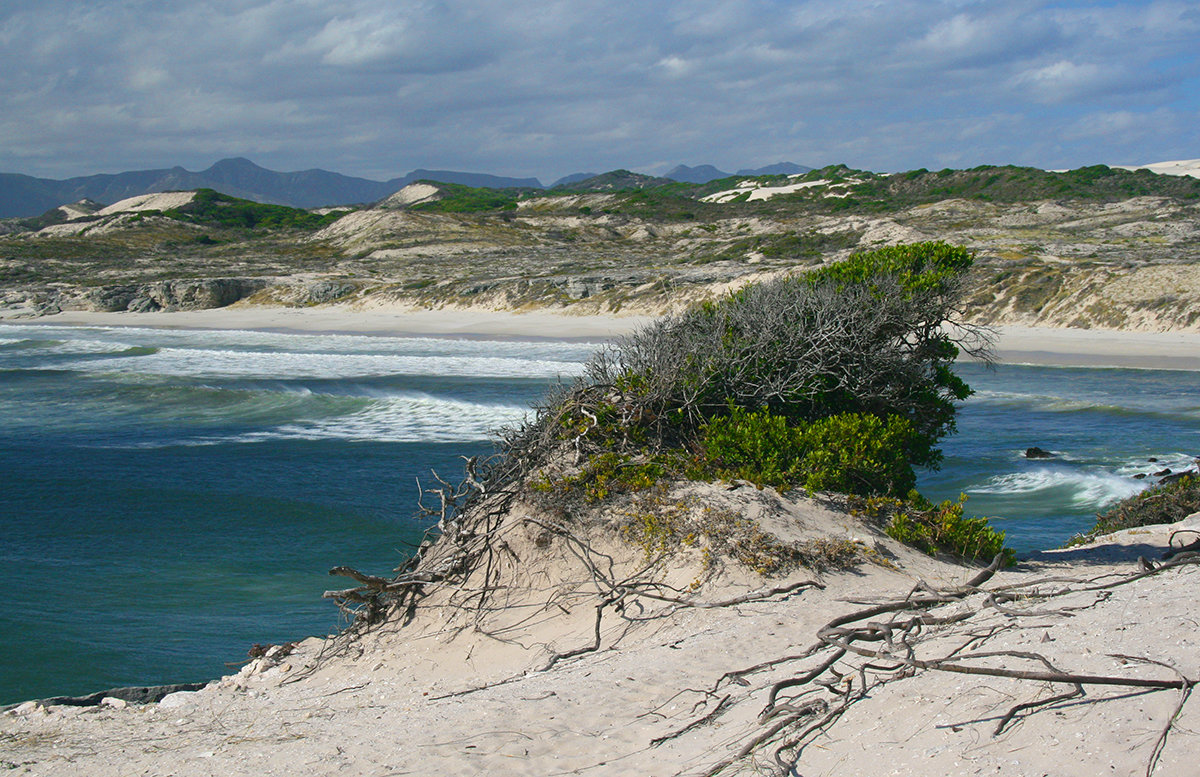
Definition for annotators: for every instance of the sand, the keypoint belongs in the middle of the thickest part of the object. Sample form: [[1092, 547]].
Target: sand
[[379, 321], [1014, 344]]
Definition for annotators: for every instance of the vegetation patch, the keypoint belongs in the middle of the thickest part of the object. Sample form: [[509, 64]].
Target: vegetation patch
[[457, 198], [838, 380], [936, 528], [211, 208], [659, 526]]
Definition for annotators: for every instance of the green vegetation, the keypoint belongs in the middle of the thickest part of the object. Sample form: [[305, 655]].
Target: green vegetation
[[458, 198], [211, 208], [1165, 503], [936, 528], [850, 453], [835, 381]]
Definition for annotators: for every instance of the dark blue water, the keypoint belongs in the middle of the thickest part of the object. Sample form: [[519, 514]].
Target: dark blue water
[[1103, 425], [169, 498]]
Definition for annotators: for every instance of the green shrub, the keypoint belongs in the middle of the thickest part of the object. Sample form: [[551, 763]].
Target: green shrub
[[853, 453], [756, 446], [941, 528], [838, 380], [849, 453]]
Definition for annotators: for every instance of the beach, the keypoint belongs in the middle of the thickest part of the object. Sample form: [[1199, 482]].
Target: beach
[[1178, 350], [545, 686]]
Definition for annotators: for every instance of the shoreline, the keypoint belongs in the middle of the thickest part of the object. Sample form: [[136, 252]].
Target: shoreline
[[397, 322], [1015, 345]]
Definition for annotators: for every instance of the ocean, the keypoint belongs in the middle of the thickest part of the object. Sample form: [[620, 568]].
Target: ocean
[[171, 497]]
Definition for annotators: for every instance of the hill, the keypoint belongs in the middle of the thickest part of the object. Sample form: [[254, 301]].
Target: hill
[[23, 196], [1093, 247]]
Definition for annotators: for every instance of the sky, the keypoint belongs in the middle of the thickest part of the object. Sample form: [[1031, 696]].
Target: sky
[[550, 87]]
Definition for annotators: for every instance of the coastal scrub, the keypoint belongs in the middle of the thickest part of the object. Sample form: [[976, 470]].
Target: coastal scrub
[[838, 380]]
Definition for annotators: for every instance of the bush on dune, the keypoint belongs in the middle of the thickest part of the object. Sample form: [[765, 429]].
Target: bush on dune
[[838, 380]]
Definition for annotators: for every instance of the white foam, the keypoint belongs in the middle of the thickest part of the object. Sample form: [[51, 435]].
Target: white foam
[[410, 418], [1088, 489], [197, 363]]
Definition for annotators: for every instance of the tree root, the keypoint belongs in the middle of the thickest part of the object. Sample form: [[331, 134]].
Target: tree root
[[889, 635]]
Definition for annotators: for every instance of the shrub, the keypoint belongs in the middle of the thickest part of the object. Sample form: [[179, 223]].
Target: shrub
[[853, 453], [849, 453], [836, 380], [760, 447], [940, 528]]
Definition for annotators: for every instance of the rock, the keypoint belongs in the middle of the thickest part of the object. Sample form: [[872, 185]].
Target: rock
[[139, 694], [202, 294], [108, 299], [26, 708], [177, 700], [1140, 476], [1038, 453], [1171, 478], [1162, 472], [114, 702], [327, 291], [142, 305], [1152, 459]]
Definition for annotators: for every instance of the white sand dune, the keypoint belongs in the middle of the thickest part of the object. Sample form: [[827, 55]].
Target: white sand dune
[[143, 202], [1179, 167]]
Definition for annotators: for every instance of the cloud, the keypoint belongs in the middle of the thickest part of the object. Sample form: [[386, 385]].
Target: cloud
[[551, 87]]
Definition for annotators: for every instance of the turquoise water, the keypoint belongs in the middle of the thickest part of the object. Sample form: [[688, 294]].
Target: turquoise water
[[170, 498]]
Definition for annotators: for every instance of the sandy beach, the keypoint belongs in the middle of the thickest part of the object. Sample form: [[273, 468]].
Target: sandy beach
[[1014, 344], [541, 324]]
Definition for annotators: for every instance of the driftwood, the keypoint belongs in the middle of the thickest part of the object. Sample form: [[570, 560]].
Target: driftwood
[[890, 635]]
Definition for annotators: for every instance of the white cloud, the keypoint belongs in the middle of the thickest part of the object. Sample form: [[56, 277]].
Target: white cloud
[[555, 86]]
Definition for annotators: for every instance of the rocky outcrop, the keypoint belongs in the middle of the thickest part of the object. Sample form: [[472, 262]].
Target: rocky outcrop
[[197, 294]]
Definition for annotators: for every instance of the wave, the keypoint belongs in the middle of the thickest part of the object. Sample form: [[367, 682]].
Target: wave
[[403, 419], [1084, 489], [1134, 405], [12, 344], [196, 363]]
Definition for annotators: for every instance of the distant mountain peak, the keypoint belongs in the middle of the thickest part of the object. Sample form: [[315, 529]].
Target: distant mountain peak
[[779, 168], [698, 174], [236, 163]]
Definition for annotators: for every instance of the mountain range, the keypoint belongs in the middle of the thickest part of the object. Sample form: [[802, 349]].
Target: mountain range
[[706, 173], [23, 196]]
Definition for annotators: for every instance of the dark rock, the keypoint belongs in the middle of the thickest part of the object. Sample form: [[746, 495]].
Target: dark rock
[[1187, 473], [201, 294], [1038, 453], [141, 694], [142, 305], [1162, 472], [1152, 459], [1140, 476], [108, 299]]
